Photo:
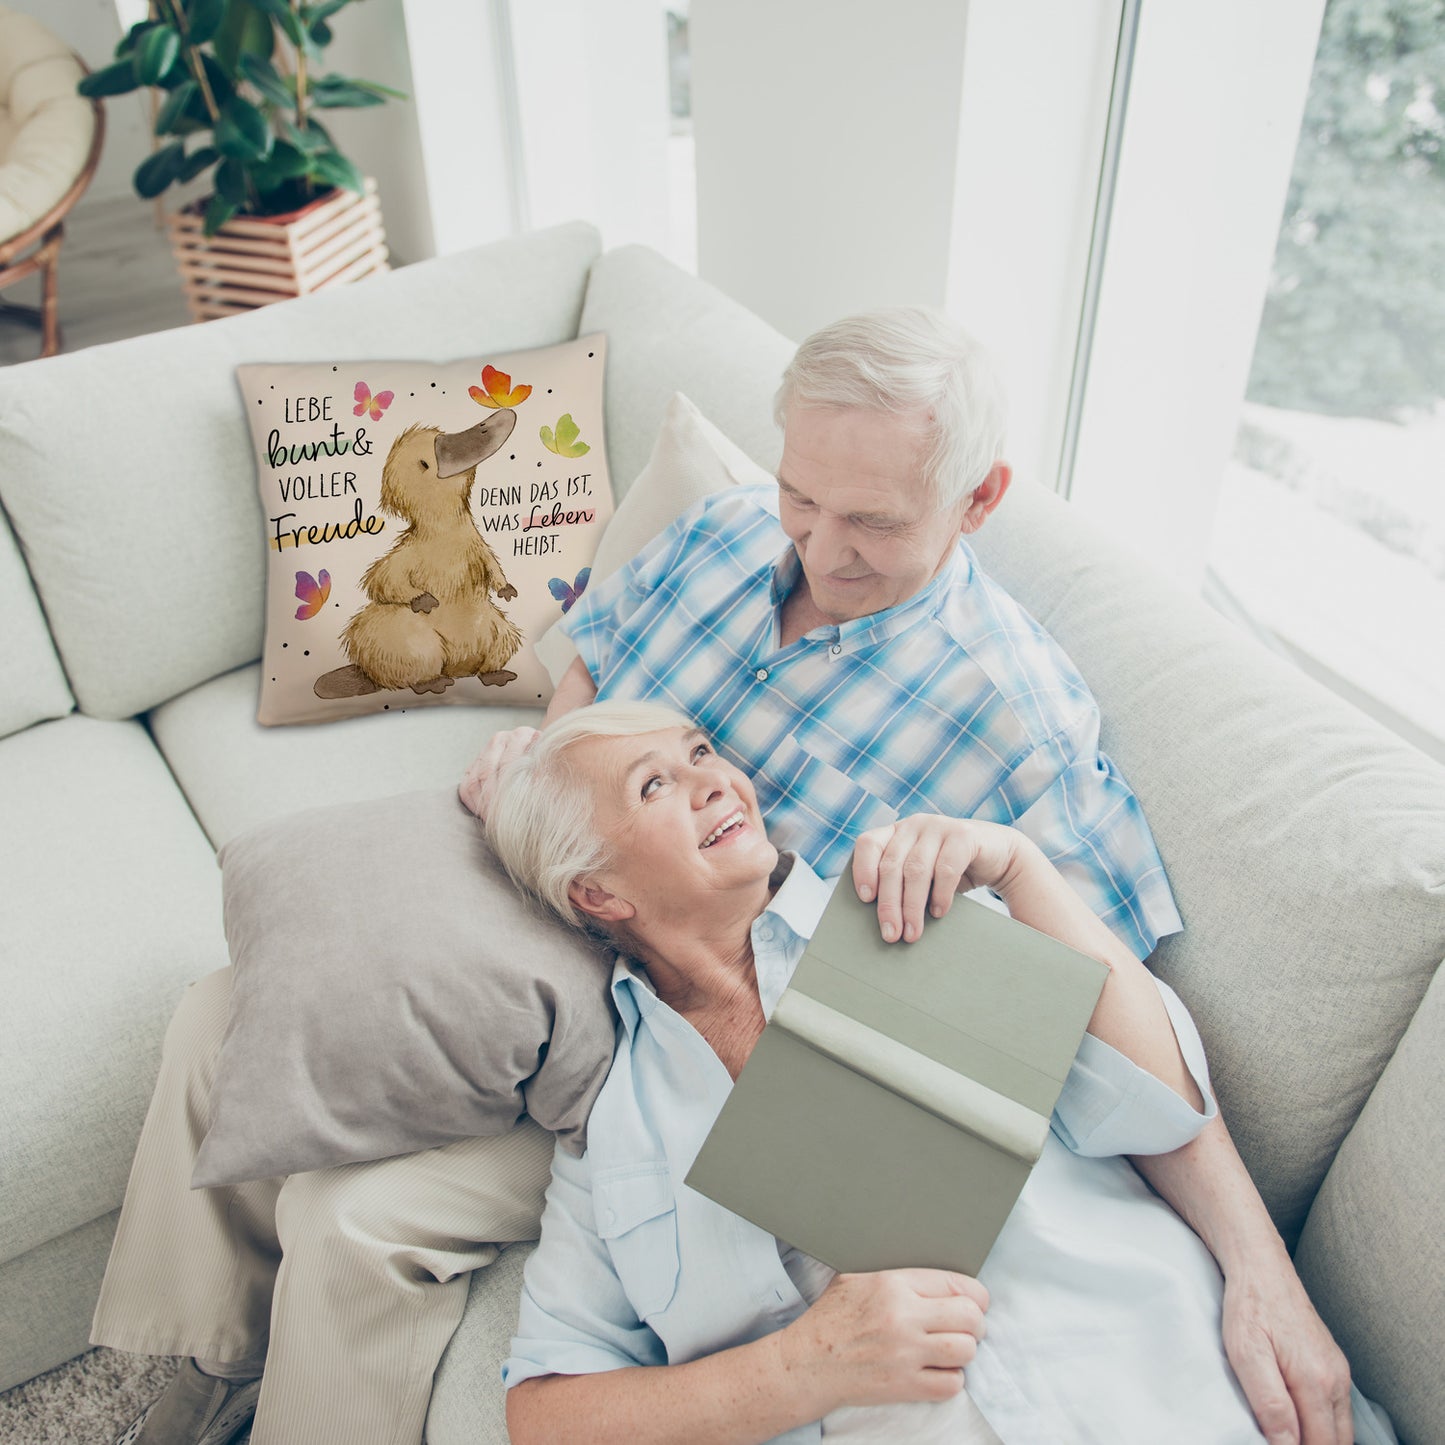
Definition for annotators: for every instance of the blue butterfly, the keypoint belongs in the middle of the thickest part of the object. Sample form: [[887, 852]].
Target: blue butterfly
[[568, 595]]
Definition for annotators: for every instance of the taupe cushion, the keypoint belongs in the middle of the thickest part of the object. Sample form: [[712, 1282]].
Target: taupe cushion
[[127, 471], [392, 992], [110, 904], [1372, 1254], [1303, 842]]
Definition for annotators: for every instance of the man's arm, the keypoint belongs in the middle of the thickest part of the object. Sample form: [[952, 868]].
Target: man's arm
[[1295, 1377]]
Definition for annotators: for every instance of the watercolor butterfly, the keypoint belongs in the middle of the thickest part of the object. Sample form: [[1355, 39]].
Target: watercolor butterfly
[[565, 442], [568, 595], [366, 402], [497, 390], [313, 592]]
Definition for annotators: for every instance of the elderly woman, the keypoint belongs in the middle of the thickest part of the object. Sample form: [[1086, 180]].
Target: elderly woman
[[653, 1314]]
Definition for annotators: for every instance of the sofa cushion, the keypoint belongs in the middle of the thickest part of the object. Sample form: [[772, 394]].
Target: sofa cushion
[[111, 905], [432, 519], [669, 332], [237, 774], [1372, 1254], [1301, 840], [127, 471], [32, 683]]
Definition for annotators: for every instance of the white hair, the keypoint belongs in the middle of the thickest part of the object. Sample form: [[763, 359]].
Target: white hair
[[908, 360], [542, 821]]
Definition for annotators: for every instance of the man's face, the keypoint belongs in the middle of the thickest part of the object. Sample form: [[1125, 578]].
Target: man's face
[[852, 499]]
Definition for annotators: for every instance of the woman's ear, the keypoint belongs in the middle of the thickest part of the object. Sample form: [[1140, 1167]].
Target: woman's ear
[[596, 902]]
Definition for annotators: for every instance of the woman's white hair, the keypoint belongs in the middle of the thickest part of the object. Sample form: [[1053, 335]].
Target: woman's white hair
[[908, 360], [542, 821]]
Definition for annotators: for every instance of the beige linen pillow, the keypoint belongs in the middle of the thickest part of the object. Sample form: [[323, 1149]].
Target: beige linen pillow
[[393, 992], [691, 459], [424, 525]]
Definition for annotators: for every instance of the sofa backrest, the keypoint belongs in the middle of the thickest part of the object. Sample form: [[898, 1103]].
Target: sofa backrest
[[128, 474], [32, 682]]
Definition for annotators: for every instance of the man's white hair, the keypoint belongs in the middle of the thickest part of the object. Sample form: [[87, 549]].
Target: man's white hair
[[908, 360], [542, 821]]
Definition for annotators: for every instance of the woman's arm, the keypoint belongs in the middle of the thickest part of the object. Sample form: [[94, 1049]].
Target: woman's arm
[[903, 1334], [917, 865]]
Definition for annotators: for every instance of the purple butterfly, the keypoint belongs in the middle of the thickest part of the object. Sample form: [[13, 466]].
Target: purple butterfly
[[568, 595], [313, 592]]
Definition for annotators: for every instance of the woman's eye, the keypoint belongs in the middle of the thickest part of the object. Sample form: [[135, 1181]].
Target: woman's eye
[[701, 750]]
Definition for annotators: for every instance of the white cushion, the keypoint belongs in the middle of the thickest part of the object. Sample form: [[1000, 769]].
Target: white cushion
[[236, 773], [111, 904], [32, 684], [127, 471]]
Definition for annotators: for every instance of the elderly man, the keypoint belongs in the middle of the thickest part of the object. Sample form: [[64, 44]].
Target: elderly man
[[838, 640]]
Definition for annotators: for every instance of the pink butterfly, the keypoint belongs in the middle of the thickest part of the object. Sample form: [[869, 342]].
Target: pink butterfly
[[568, 595], [365, 401], [313, 592]]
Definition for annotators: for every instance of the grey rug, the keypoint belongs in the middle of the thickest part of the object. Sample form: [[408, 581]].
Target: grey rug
[[86, 1402]]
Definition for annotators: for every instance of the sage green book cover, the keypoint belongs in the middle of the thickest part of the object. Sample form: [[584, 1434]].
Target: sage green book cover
[[900, 1094]]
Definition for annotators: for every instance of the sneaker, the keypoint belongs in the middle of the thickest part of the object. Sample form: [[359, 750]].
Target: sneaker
[[194, 1409]]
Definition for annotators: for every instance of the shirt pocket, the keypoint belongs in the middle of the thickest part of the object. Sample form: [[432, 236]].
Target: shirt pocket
[[636, 1211], [816, 808]]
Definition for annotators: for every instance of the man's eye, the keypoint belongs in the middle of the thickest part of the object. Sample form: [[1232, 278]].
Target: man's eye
[[651, 785]]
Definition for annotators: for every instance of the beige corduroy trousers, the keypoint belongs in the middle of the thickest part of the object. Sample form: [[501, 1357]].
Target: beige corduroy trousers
[[350, 1281]]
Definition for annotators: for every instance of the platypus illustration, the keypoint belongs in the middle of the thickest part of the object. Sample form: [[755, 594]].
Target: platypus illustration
[[431, 618]]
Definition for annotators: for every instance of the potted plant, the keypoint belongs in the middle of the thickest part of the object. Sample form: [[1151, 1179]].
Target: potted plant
[[239, 85]]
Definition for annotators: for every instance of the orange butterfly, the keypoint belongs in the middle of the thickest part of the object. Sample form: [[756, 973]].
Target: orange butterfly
[[499, 390], [313, 592]]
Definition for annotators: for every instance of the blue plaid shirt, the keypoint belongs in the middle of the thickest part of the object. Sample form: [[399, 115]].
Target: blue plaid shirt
[[954, 702]]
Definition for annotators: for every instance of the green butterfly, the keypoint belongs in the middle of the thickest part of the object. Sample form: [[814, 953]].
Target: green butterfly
[[565, 442]]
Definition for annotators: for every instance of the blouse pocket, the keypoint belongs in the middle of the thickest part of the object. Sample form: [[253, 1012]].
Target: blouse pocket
[[816, 809], [636, 1213]]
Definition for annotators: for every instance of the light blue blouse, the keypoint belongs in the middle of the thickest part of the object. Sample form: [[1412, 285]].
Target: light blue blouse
[[1105, 1316]]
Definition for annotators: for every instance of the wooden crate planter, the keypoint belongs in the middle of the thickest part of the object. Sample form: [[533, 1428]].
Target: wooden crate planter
[[255, 260]]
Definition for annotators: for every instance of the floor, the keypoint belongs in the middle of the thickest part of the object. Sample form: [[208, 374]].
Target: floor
[[117, 279]]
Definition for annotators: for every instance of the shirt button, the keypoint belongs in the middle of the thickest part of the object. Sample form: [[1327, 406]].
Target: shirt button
[[761, 674], [836, 648]]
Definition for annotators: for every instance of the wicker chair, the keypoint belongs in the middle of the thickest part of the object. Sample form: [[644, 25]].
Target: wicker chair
[[50, 140]]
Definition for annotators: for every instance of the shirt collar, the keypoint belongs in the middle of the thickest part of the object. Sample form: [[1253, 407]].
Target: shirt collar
[[780, 931], [878, 627]]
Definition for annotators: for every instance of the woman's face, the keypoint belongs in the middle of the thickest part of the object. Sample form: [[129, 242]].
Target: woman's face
[[682, 824]]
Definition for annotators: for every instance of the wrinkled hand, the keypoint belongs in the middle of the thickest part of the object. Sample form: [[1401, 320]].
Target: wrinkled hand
[[479, 781], [506, 592], [424, 603], [1295, 1377], [925, 860], [899, 1334]]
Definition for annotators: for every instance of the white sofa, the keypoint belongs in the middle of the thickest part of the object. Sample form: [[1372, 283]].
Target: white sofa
[[1305, 845]]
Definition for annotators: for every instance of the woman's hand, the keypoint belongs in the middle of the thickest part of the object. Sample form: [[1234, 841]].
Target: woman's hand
[[897, 1335], [918, 864], [477, 784]]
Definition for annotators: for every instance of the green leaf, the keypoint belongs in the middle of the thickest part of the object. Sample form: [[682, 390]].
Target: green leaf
[[333, 168], [242, 132], [174, 110], [332, 92], [218, 212], [157, 171], [197, 161], [231, 181], [222, 85], [203, 19], [277, 88], [285, 17], [313, 140], [323, 11], [244, 31], [128, 42], [156, 53], [378, 89], [287, 163], [319, 33], [117, 79]]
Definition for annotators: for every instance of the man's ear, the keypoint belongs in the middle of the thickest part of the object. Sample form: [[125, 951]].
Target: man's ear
[[596, 902], [986, 496]]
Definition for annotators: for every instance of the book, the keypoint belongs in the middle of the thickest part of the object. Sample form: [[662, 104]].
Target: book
[[893, 1107]]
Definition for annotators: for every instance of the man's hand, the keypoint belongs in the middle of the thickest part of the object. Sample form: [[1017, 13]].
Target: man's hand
[[479, 781], [1295, 1377]]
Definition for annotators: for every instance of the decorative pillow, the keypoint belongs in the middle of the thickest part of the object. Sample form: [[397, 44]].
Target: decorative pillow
[[424, 524], [691, 459], [393, 992]]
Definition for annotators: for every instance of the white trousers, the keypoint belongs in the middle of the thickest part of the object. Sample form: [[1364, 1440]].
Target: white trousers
[[349, 1281]]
